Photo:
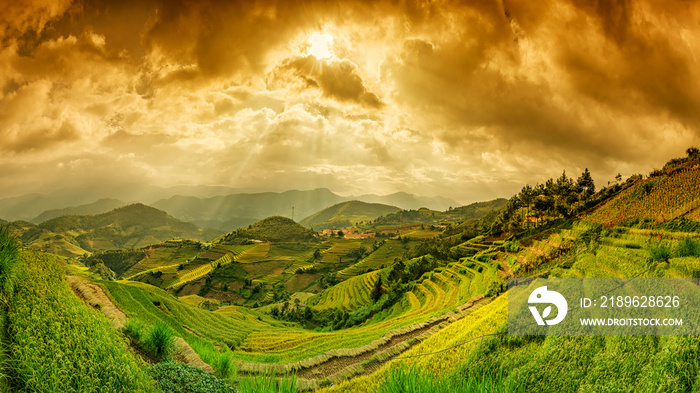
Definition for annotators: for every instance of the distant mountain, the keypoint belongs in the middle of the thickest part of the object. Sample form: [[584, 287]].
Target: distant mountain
[[131, 226], [410, 201], [273, 229], [100, 206], [29, 206], [427, 216], [250, 206], [345, 214], [228, 212]]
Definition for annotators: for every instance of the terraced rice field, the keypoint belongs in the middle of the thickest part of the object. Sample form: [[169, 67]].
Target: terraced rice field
[[668, 197], [165, 256], [422, 234], [339, 250], [256, 253], [382, 257], [349, 294]]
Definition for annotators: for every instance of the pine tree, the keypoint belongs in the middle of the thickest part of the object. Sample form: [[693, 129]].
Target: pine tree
[[377, 291]]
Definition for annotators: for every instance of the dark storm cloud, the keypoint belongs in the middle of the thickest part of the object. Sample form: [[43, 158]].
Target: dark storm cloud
[[338, 79], [495, 93]]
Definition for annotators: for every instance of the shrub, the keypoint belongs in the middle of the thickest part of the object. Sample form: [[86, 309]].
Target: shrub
[[512, 246], [159, 341], [659, 252], [176, 377], [134, 328], [688, 248]]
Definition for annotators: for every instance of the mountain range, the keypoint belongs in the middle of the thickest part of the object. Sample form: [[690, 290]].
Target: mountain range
[[130, 226], [206, 206]]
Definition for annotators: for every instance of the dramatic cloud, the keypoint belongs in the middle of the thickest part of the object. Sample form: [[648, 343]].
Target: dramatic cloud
[[469, 100]]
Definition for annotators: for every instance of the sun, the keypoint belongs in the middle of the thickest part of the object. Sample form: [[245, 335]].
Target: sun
[[320, 45]]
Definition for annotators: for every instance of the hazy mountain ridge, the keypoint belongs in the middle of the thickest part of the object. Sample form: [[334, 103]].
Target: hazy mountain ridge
[[261, 205], [130, 226], [29, 206], [98, 207], [206, 206]]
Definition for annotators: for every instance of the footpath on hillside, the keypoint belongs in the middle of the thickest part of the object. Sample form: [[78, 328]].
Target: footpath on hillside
[[95, 297], [337, 365]]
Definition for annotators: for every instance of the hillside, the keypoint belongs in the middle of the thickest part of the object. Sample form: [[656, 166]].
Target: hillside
[[427, 216], [130, 226], [346, 214], [272, 229], [97, 207], [229, 212], [409, 201], [663, 196]]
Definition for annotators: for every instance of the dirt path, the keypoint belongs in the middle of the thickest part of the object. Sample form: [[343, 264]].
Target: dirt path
[[334, 367], [94, 295]]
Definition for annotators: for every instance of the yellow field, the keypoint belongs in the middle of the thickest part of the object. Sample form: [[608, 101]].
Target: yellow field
[[254, 254], [482, 321]]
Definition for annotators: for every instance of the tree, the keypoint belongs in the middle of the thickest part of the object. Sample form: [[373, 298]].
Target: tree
[[377, 291], [585, 182], [693, 153], [525, 196], [340, 233], [618, 178], [543, 205]]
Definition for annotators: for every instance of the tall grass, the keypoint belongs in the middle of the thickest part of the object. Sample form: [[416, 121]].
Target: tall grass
[[9, 250], [159, 340], [405, 379], [220, 360], [688, 248], [56, 344], [268, 383]]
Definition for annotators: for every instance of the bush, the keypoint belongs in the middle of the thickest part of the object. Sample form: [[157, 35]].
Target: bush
[[688, 248], [513, 246], [659, 252], [159, 341], [176, 377], [134, 328]]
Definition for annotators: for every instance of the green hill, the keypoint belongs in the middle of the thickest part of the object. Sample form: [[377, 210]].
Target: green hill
[[346, 214], [427, 216], [130, 226], [97, 207], [229, 212], [272, 229]]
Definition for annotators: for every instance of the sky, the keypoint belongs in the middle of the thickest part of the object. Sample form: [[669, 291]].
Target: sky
[[468, 99]]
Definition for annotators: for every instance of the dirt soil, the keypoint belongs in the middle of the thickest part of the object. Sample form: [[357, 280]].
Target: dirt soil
[[95, 296]]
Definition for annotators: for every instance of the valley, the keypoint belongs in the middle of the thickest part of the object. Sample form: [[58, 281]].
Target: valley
[[359, 296]]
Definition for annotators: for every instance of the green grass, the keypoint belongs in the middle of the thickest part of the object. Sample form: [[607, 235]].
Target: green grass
[[268, 383], [404, 379], [56, 344], [349, 294], [159, 341]]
